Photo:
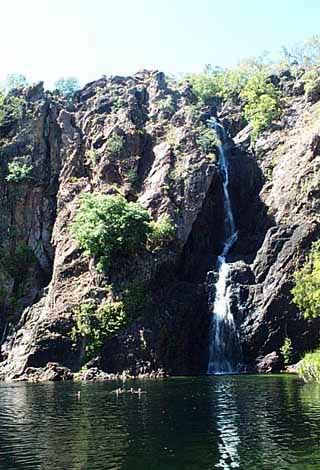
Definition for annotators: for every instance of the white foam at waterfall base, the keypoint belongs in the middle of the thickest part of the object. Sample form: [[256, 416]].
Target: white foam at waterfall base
[[224, 347]]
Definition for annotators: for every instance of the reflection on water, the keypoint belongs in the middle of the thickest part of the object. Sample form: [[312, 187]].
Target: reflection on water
[[226, 415], [242, 422]]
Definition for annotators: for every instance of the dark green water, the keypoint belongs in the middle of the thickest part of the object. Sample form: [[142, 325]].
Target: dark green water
[[244, 422]]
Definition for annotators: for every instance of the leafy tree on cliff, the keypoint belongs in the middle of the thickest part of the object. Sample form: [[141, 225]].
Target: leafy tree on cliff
[[262, 102], [15, 80], [305, 53], [110, 226], [11, 108], [226, 83], [67, 86]]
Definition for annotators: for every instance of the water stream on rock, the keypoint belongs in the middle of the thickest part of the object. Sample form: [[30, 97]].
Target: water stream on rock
[[224, 345]]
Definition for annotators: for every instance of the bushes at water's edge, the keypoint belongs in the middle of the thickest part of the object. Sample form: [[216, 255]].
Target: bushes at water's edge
[[306, 295], [309, 367], [306, 292]]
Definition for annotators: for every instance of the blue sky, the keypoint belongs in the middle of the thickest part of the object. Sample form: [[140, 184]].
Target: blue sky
[[47, 39]]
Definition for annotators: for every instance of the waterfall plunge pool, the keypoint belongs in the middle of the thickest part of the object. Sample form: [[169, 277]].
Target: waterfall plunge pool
[[228, 421]]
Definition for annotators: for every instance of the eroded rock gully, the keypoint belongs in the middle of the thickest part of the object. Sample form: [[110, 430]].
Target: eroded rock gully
[[275, 194]]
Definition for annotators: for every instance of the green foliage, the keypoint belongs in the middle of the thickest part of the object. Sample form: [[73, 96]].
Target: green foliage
[[303, 54], [11, 108], [118, 103], [262, 102], [115, 144], [310, 79], [132, 177], [18, 172], [162, 232], [226, 84], [67, 86], [287, 350], [194, 111], [179, 171], [96, 324], [309, 367], [15, 80], [166, 104], [172, 136], [206, 86], [306, 292], [208, 140], [92, 156], [134, 298], [110, 226]]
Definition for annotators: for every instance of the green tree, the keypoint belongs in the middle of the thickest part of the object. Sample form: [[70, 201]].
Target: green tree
[[207, 85], [309, 367], [306, 292], [304, 53], [110, 226], [115, 144], [95, 324], [262, 102], [226, 84], [67, 86], [162, 232], [15, 80], [11, 108]]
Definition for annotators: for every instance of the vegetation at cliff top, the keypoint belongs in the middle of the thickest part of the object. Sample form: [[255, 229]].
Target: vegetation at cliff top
[[11, 108], [250, 82], [110, 226], [302, 54], [306, 292], [215, 82], [262, 102], [67, 86], [15, 80], [309, 367]]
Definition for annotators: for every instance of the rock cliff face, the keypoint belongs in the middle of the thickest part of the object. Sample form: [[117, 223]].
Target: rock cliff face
[[289, 157], [161, 164]]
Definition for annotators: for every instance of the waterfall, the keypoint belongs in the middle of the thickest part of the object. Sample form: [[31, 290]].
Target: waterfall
[[224, 346]]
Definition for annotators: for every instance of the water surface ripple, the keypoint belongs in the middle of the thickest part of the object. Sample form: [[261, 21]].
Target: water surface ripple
[[226, 422]]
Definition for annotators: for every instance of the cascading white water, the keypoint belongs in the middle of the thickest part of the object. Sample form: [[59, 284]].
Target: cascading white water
[[224, 346]]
